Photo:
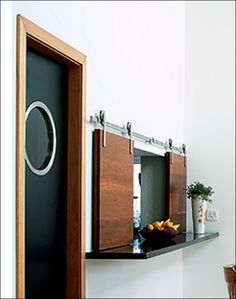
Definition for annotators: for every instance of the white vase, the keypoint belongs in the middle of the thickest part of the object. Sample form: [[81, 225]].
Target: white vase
[[199, 215]]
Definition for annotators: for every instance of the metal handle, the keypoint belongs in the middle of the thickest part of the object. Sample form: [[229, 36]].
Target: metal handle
[[184, 152], [103, 123], [171, 148], [52, 143], [130, 132]]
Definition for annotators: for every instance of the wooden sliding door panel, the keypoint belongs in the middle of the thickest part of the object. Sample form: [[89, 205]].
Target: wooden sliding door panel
[[113, 191], [176, 184]]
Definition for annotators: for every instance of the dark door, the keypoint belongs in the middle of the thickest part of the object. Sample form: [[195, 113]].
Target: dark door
[[46, 148]]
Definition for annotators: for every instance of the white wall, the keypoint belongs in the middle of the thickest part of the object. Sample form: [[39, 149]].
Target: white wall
[[136, 54], [210, 136], [7, 159]]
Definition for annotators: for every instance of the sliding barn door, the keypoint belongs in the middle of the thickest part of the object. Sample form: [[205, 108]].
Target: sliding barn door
[[46, 168], [176, 185], [112, 191]]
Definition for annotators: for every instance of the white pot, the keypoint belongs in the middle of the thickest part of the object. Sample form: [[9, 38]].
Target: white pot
[[199, 215]]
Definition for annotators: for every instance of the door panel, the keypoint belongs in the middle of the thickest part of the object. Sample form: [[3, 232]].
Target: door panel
[[46, 194], [112, 191], [176, 184]]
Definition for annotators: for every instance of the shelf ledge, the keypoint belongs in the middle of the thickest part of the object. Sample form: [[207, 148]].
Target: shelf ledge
[[141, 249]]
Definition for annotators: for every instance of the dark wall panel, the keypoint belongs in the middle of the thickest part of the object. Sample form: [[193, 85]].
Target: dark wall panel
[[153, 189]]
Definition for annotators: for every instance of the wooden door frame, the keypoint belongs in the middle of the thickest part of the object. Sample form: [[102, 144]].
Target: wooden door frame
[[31, 35]]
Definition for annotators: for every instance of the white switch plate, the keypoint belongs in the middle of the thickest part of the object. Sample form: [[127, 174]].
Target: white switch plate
[[212, 215]]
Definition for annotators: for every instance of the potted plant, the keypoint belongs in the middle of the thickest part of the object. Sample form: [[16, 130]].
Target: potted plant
[[200, 195]]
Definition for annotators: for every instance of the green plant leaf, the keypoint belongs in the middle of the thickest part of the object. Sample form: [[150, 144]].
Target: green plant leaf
[[198, 189]]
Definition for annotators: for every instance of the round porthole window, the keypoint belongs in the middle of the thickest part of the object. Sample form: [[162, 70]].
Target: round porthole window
[[40, 138]]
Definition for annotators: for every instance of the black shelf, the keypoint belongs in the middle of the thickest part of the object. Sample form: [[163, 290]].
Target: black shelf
[[142, 249]]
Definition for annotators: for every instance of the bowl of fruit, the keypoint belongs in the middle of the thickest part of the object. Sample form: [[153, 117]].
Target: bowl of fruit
[[160, 230]]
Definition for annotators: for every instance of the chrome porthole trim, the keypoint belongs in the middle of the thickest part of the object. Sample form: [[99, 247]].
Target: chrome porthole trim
[[52, 141]]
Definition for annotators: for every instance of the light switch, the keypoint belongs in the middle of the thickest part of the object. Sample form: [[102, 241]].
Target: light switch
[[212, 215]]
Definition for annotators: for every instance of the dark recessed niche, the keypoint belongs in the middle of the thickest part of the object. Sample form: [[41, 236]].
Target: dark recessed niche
[[150, 175], [159, 188]]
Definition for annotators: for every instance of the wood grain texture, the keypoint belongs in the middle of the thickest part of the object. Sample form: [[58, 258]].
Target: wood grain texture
[[49, 40], [230, 279], [47, 44], [82, 293], [176, 185], [20, 158], [112, 192], [75, 183]]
